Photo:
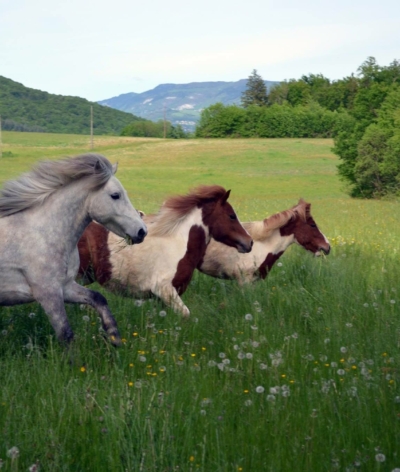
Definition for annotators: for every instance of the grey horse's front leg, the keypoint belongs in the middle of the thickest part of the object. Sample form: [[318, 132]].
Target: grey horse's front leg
[[52, 302], [75, 293]]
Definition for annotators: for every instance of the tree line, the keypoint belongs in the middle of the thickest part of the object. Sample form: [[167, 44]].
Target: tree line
[[361, 112]]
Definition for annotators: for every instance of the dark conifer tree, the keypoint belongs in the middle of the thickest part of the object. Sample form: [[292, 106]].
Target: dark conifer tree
[[256, 91]]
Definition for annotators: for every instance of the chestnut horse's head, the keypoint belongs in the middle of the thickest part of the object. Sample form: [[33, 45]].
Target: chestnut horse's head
[[221, 219], [305, 230]]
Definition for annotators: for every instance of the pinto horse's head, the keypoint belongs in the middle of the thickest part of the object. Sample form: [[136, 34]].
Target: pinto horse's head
[[224, 225], [305, 230]]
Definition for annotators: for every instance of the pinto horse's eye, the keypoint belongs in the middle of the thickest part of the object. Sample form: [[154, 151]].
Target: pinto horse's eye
[[233, 217], [115, 196]]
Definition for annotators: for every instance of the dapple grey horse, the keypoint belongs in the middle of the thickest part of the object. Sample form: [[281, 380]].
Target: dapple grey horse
[[43, 213]]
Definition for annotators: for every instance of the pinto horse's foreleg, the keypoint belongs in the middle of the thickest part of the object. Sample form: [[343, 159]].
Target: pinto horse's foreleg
[[75, 293], [52, 302], [170, 297]]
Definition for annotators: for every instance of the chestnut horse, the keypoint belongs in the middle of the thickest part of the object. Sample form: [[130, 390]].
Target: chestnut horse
[[272, 237], [164, 263]]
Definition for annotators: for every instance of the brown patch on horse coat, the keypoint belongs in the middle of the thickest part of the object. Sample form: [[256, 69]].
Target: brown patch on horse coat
[[195, 250], [269, 261], [94, 254]]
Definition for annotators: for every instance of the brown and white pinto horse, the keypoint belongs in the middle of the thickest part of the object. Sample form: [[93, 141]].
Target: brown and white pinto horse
[[272, 237], [177, 239]]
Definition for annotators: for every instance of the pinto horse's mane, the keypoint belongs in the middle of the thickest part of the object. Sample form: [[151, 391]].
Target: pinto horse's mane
[[46, 177], [175, 209], [262, 229]]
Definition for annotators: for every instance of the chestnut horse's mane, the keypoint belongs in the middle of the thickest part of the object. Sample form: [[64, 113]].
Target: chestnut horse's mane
[[262, 229], [175, 209]]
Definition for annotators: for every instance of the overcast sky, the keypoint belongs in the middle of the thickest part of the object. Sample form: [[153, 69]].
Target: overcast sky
[[96, 49]]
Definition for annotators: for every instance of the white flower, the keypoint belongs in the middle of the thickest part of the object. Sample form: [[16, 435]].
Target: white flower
[[13, 453], [260, 389], [226, 361], [222, 355], [341, 372], [86, 318], [271, 398], [163, 313], [380, 457], [343, 349], [248, 402], [392, 302], [32, 315], [139, 302], [263, 366], [249, 355], [248, 317], [203, 412], [142, 358]]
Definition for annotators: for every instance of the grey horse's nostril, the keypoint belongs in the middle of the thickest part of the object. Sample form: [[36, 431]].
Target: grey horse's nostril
[[142, 233]]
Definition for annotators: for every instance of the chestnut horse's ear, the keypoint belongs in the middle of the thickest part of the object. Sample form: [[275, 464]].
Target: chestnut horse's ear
[[225, 197], [115, 167]]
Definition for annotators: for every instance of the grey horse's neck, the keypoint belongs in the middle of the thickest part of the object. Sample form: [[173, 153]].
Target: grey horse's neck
[[65, 214]]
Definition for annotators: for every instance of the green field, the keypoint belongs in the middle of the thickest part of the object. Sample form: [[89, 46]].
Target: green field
[[309, 383]]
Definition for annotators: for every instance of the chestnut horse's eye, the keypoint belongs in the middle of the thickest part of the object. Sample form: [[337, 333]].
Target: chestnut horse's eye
[[115, 196], [313, 225], [233, 217]]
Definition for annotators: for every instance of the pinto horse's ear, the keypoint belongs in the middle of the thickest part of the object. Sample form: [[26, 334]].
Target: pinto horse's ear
[[115, 167], [225, 197]]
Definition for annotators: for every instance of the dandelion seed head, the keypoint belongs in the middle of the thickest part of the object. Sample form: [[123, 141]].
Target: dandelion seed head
[[343, 349], [260, 389], [248, 317], [13, 453], [271, 398], [249, 355], [380, 457], [248, 402]]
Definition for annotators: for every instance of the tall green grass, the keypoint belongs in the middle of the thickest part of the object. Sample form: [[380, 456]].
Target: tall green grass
[[298, 372]]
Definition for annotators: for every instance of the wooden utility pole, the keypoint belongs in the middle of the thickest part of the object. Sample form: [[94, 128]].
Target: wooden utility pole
[[91, 127], [165, 124]]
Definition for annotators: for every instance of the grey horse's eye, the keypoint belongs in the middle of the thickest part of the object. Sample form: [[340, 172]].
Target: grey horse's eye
[[115, 196]]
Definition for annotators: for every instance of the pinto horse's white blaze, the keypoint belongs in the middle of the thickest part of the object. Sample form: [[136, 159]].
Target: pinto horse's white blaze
[[42, 216], [272, 237], [164, 264]]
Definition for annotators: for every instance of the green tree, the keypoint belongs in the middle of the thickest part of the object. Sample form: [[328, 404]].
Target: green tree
[[256, 91]]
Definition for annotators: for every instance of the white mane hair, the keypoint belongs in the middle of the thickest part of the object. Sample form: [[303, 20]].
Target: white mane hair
[[260, 230], [46, 177]]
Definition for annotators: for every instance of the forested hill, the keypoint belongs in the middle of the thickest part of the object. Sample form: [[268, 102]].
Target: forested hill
[[27, 109], [181, 103]]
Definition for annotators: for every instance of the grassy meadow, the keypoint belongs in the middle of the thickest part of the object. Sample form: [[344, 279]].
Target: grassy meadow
[[299, 372]]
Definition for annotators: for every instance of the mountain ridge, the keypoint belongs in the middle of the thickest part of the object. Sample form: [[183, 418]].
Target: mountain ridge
[[180, 103]]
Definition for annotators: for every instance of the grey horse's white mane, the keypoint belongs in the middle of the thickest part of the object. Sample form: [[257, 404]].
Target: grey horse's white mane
[[46, 177]]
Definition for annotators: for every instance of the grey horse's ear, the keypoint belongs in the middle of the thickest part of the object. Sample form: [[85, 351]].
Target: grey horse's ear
[[115, 167]]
